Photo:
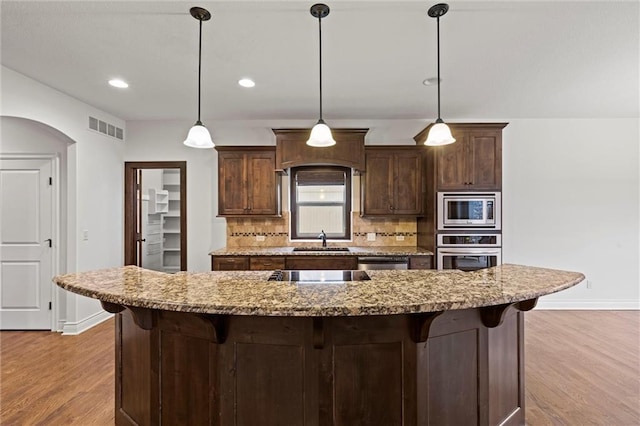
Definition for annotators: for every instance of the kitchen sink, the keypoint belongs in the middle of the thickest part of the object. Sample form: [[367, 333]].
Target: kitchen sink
[[321, 249]]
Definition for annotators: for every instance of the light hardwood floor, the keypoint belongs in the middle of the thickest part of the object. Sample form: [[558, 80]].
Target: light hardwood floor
[[582, 368]]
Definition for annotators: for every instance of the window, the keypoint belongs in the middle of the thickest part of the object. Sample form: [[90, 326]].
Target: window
[[320, 201]]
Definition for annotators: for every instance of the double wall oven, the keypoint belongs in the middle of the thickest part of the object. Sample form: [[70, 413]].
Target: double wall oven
[[469, 230]]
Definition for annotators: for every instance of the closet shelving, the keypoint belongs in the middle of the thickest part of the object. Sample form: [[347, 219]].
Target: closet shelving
[[171, 221]]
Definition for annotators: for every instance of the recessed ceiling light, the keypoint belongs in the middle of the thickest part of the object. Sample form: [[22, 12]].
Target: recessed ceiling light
[[246, 82], [120, 84], [432, 81]]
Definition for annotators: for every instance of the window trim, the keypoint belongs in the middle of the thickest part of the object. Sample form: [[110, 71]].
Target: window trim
[[293, 202]]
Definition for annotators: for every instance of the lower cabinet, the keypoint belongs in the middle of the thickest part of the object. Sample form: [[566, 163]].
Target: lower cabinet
[[230, 263], [322, 262], [266, 263], [420, 262], [272, 263]]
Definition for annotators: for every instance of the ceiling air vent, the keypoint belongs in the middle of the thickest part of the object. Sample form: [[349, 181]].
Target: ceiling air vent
[[106, 128]]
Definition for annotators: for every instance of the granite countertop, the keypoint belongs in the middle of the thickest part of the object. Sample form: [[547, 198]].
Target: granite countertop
[[249, 293], [353, 251]]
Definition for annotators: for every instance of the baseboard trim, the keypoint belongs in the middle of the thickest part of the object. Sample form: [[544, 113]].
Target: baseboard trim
[[73, 328], [596, 305]]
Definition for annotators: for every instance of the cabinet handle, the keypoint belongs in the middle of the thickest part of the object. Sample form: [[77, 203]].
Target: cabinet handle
[[390, 207]]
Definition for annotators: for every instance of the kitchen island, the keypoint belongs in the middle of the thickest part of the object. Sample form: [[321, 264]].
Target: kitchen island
[[412, 347]]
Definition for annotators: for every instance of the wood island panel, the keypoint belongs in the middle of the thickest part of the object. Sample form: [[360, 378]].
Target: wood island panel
[[367, 370]]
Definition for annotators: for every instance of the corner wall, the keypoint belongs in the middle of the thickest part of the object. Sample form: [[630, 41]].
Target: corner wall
[[94, 175], [570, 201]]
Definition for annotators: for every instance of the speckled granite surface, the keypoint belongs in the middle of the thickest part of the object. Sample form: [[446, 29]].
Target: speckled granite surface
[[353, 251], [249, 292]]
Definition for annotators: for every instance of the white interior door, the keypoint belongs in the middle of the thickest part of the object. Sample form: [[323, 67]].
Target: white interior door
[[26, 226]]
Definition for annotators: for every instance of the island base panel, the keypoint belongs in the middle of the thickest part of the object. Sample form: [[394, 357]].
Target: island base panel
[[368, 370]]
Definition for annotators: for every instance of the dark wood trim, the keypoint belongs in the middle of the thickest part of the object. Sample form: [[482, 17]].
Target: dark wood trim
[[422, 135], [112, 307], [292, 151], [242, 148], [420, 325], [131, 209]]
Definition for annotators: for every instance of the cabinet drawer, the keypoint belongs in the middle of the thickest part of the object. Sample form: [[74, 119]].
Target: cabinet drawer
[[420, 262], [230, 263], [322, 262], [266, 263]]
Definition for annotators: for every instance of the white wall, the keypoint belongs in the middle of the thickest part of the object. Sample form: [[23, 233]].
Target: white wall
[[570, 199], [94, 173], [162, 141]]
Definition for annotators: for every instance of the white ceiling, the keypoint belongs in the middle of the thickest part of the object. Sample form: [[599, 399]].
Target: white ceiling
[[572, 59]]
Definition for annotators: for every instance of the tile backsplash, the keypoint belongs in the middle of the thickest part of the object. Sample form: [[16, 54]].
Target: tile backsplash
[[274, 231]]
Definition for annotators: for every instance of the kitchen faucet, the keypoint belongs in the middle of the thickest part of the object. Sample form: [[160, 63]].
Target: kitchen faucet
[[324, 238]]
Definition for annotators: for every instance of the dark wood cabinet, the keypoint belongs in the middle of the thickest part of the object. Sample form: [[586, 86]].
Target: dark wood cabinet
[[266, 263], [248, 184], [392, 184], [272, 263], [473, 162], [313, 262], [321, 262], [420, 262], [229, 263], [292, 150]]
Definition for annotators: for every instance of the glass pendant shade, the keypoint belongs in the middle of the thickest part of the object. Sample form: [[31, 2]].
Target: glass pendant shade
[[321, 135], [439, 134], [199, 137]]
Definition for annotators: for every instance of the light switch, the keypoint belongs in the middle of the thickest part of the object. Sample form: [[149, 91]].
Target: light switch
[[399, 237], [85, 235], [259, 237], [371, 236]]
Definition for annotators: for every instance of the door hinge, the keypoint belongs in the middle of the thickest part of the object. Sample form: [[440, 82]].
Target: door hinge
[[49, 305], [50, 181]]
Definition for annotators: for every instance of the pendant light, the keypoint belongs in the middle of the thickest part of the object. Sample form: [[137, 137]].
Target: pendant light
[[321, 133], [199, 136], [439, 134]]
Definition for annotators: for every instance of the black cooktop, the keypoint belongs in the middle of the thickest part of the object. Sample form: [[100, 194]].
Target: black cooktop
[[328, 276]]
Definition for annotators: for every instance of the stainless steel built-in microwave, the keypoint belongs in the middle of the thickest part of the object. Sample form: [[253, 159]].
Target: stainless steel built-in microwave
[[464, 210]]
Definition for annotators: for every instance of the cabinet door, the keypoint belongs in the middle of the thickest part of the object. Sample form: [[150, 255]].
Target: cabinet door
[[321, 262], [232, 178], [451, 164], [407, 183], [485, 160], [261, 263], [378, 184], [229, 263], [261, 183], [420, 262]]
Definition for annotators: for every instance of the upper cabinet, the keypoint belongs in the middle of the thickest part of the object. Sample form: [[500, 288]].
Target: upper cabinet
[[392, 184], [473, 162], [292, 150], [248, 184]]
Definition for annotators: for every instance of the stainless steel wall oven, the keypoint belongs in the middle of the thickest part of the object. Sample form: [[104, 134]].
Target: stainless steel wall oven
[[468, 252]]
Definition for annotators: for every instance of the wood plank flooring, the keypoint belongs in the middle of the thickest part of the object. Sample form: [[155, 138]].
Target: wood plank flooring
[[582, 368], [50, 379]]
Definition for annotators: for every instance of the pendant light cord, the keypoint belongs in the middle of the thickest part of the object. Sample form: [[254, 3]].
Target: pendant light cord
[[320, 53], [438, 49], [200, 69]]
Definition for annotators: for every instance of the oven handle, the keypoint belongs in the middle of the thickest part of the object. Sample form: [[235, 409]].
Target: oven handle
[[469, 251]]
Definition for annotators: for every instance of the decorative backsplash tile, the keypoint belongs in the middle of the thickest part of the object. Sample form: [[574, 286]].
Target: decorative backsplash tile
[[244, 232]]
